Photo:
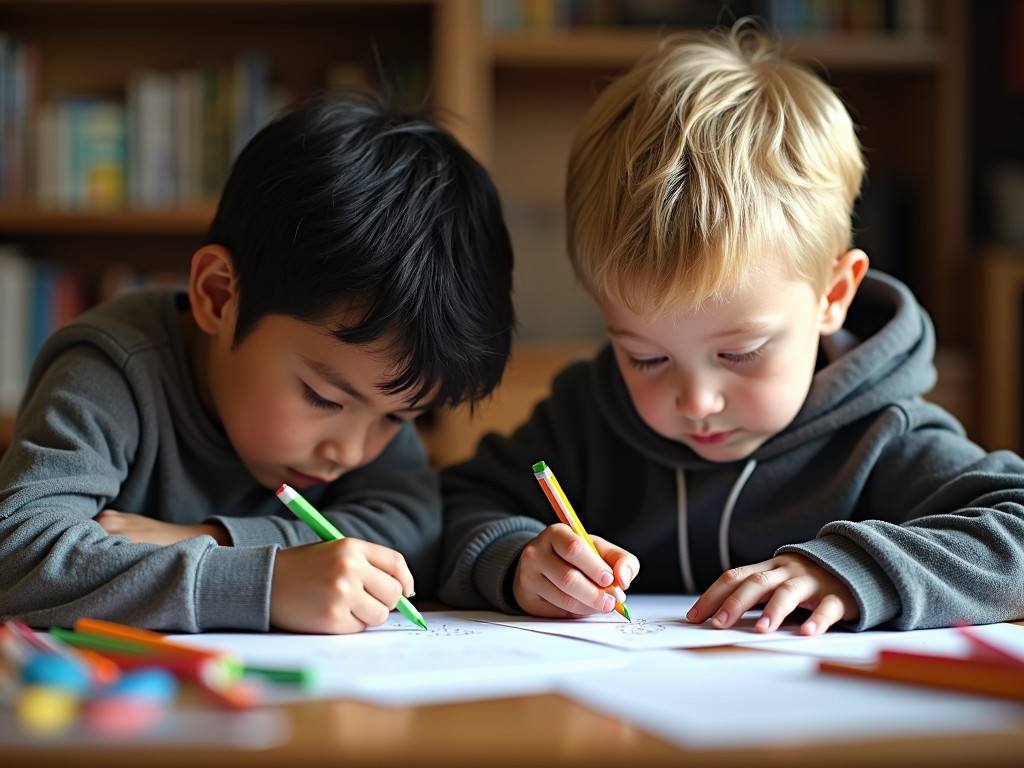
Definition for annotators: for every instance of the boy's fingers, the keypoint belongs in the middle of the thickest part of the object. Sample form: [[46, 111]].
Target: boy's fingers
[[578, 553], [625, 565], [380, 595], [390, 562], [626, 568], [569, 600], [786, 598], [829, 611]]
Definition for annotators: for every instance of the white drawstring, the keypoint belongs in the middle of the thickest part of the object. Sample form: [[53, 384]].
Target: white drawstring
[[730, 505], [723, 529], [684, 544]]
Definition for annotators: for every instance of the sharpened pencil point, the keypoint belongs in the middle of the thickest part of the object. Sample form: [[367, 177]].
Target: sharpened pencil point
[[420, 622], [625, 612]]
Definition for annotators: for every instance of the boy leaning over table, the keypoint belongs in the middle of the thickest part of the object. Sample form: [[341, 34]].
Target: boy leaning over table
[[357, 273], [755, 430]]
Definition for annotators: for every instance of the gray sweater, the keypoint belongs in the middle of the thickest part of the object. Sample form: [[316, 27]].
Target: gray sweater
[[870, 481], [112, 420]]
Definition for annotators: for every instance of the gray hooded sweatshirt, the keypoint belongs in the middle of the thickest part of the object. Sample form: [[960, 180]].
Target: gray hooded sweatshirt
[[872, 482], [112, 420]]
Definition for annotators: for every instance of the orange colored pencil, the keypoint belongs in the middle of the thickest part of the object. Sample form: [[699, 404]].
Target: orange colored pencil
[[145, 637]]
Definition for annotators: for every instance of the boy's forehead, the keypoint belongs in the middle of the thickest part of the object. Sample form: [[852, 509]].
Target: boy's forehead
[[748, 308]]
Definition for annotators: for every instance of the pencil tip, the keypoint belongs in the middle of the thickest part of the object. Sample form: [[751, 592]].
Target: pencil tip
[[421, 623], [625, 612]]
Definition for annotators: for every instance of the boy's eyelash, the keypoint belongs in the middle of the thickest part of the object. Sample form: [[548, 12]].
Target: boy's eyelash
[[744, 357], [645, 363], [311, 397]]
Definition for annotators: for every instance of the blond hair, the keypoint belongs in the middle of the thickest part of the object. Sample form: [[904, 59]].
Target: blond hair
[[710, 155]]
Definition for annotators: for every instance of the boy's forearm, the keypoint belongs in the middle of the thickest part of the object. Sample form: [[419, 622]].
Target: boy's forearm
[[190, 586]]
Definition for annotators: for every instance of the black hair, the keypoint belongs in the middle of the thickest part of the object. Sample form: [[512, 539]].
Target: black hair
[[348, 207]]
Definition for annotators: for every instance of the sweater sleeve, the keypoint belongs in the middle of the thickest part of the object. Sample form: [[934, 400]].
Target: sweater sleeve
[[957, 552], [76, 439]]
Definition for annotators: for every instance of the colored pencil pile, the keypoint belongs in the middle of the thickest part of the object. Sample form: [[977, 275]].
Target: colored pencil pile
[[116, 679]]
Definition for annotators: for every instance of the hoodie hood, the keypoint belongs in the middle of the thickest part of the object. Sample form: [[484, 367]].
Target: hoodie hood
[[883, 353]]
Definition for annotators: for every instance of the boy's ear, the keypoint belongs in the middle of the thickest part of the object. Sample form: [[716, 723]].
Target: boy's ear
[[211, 285], [847, 273]]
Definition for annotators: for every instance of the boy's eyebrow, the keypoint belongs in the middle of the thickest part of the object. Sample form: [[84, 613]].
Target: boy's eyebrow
[[749, 326], [613, 331], [338, 381]]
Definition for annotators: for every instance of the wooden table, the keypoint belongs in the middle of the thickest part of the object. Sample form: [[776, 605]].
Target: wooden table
[[532, 731]]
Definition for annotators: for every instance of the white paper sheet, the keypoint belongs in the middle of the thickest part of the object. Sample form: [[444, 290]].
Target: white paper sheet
[[659, 622], [742, 700], [398, 663], [864, 646]]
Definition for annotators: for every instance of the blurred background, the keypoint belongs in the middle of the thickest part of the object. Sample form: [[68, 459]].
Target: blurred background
[[119, 120]]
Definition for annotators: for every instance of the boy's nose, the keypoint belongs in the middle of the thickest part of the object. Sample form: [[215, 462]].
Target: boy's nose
[[344, 451], [697, 399]]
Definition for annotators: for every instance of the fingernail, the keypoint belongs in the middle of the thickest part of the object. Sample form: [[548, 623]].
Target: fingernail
[[763, 624], [810, 628], [721, 618], [620, 596], [691, 615], [605, 578], [412, 593], [608, 603]]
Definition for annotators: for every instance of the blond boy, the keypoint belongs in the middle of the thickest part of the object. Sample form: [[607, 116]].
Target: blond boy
[[755, 430]]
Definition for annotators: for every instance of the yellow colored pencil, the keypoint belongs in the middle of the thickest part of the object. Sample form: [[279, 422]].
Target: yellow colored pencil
[[560, 502]]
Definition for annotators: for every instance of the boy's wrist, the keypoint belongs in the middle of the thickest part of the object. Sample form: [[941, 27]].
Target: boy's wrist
[[217, 532]]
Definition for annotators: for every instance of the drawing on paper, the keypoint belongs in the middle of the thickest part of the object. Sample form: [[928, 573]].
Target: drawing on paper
[[446, 631], [641, 627]]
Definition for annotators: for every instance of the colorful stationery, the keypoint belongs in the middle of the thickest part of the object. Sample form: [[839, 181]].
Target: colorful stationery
[[326, 531], [560, 502]]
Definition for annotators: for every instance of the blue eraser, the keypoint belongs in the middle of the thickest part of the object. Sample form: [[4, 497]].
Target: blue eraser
[[149, 683], [56, 671]]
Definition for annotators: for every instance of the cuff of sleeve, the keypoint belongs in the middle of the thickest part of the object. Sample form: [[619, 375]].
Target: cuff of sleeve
[[492, 571], [233, 589], [258, 531], [871, 588]]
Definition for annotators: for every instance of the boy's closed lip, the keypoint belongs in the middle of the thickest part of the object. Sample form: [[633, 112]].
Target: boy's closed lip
[[301, 480], [713, 438]]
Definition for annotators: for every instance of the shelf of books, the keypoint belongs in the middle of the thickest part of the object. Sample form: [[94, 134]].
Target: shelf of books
[[119, 121]]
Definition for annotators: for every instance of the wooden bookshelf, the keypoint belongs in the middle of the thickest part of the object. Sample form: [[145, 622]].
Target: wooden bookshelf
[[1002, 348], [21, 220], [615, 48]]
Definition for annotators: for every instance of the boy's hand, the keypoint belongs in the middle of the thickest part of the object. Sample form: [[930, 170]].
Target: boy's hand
[[786, 582], [145, 530], [559, 576], [336, 587]]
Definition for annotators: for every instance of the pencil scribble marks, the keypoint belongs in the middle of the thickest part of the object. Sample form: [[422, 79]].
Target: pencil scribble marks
[[641, 627], [446, 631]]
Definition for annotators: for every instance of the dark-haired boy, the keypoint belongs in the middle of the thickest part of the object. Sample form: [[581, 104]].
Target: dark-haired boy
[[357, 273]]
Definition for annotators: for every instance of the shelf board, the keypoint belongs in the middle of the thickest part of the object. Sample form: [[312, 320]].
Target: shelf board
[[29, 220], [618, 48]]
